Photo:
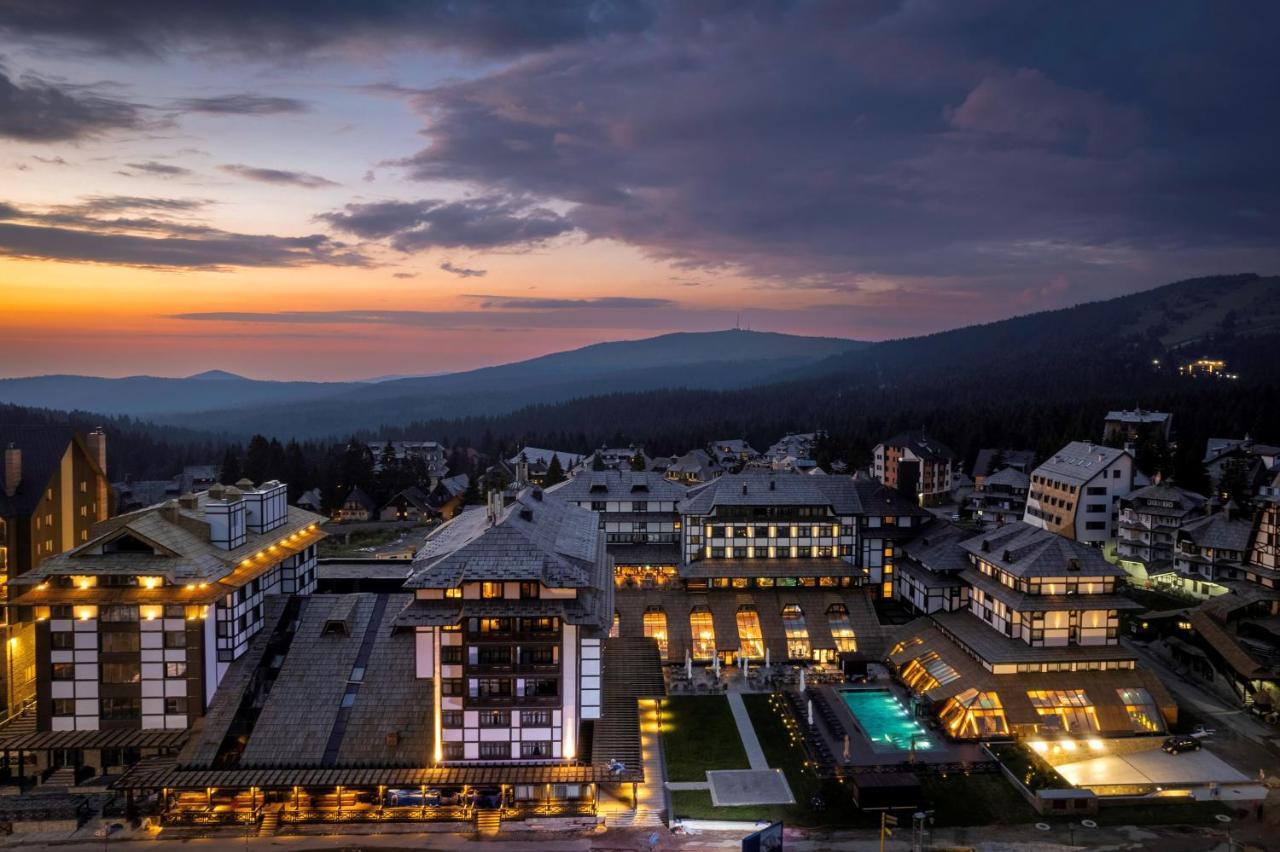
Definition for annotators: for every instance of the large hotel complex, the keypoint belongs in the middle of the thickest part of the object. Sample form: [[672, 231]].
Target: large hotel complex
[[191, 652]]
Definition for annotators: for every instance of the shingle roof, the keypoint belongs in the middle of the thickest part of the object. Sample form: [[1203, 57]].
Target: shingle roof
[[1220, 532], [921, 444], [1010, 476], [538, 455], [844, 495], [1027, 551], [184, 552], [618, 485], [938, 549], [358, 495], [1079, 461], [1184, 501], [1012, 458]]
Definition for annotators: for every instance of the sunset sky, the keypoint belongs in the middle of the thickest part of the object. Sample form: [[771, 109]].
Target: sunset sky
[[331, 190]]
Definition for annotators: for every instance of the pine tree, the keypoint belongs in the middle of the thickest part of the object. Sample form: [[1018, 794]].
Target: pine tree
[[230, 472], [555, 472], [257, 459]]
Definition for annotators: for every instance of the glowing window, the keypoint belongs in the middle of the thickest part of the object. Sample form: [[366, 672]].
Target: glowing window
[[797, 632], [750, 638], [1068, 710], [1144, 715], [704, 633], [655, 627], [974, 714], [928, 671], [841, 629], [616, 629]]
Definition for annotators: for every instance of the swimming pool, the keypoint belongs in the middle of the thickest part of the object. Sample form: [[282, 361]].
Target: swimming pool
[[889, 725]]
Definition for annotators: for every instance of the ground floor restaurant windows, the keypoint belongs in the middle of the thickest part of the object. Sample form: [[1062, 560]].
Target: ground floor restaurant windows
[[1144, 715], [704, 633], [655, 627], [1067, 710], [841, 629], [797, 631], [974, 714], [750, 637]]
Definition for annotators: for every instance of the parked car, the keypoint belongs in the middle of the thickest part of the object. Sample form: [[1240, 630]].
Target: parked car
[[1180, 743]]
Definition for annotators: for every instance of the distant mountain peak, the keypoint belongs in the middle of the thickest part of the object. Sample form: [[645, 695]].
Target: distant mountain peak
[[218, 376]]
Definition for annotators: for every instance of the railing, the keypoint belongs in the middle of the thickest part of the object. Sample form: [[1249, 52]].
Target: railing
[[26, 705]]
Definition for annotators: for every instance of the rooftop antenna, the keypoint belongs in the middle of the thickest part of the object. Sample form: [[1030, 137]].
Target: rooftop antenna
[[737, 325]]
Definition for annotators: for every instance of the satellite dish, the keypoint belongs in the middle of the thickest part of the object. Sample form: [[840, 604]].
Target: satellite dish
[[1088, 823]]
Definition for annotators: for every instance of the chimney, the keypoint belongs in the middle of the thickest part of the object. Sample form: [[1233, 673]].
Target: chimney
[[97, 442], [12, 470], [522, 470], [170, 511], [188, 501]]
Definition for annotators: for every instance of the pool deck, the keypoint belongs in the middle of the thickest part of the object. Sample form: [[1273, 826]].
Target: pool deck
[[862, 754]]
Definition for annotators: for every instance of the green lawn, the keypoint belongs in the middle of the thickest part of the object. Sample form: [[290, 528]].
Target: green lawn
[[979, 799], [699, 734]]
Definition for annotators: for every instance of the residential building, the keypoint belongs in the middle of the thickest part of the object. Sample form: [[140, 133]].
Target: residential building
[[357, 506], [991, 460], [927, 573], [1131, 427], [732, 453], [1261, 462], [311, 500], [538, 462], [411, 504], [447, 496], [54, 491], [639, 515], [136, 627], [511, 608], [431, 454], [794, 446], [1076, 493], [1001, 498], [1263, 569], [1148, 527], [618, 458], [695, 467], [1029, 645], [915, 463], [1210, 555]]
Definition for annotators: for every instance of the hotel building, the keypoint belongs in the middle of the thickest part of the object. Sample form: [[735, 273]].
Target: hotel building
[[511, 607], [639, 515], [136, 627], [54, 491], [1148, 526], [916, 463], [1028, 644], [1077, 492]]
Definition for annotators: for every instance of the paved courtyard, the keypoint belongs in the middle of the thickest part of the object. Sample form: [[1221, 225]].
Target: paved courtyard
[[1153, 766], [731, 787]]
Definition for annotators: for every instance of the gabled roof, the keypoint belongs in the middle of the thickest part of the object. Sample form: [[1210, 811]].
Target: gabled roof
[[618, 485], [694, 461], [454, 485], [1079, 461], [1009, 476], [922, 445], [1023, 459], [357, 495], [538, 455], [1026, 551], [1220, 531], [938, 549], [844, 495], [414, 496], [537, 537], [1138, 415], [1183, 500], [42, 449]]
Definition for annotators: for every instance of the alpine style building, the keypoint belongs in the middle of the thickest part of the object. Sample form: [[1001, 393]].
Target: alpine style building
[[1076, 493]]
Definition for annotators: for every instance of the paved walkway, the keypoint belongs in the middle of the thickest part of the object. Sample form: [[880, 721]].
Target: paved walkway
[[755, 754], [688, 785]]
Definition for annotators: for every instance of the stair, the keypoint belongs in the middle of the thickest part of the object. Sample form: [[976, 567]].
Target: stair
[[64, 777], [488, 822], [270, 823], [641, 818]]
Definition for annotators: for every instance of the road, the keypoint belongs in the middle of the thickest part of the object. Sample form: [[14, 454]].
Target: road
[[1242, 740]]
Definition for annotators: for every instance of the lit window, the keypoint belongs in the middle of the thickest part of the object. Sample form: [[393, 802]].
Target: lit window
[[655, 627], [750, 638], [841, 630], [704, 634], [797, 632], [1067, 710]]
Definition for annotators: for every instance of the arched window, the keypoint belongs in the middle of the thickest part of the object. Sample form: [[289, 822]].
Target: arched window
[[750, 639], [841, 629], [704, 633], [655, 627], [797, 632]]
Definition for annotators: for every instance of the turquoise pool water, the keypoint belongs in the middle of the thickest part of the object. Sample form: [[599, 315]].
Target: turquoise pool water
[[884, 720]]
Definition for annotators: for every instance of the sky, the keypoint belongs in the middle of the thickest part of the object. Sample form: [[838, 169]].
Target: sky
[[333, 190]]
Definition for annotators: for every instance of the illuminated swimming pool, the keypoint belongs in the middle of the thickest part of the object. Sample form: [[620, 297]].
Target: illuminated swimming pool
[[889, 725]]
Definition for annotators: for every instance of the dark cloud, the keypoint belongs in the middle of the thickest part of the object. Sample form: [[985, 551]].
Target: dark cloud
[[151, 167], [278, 176], [896, 146], [242, 104], [252, 28], [96, 204], [553, 304], [35, 110], [405, 275], [79, 233], [50, 161], [491, 221], [462, 271]]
